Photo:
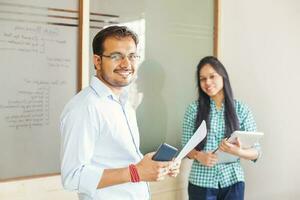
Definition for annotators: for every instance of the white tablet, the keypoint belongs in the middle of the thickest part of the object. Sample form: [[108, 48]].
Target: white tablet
[[225, 157], [247, 139]]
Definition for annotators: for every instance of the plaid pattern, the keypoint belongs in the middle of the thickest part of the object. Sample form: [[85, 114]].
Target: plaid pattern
[[220, 174]]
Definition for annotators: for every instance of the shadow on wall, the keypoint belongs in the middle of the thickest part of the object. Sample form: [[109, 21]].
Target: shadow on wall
[[152, 112]]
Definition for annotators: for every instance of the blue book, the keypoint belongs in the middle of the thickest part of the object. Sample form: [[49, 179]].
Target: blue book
[[165, 152]]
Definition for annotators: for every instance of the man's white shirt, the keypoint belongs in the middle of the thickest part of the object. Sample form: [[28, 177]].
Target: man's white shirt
[[99, 131]]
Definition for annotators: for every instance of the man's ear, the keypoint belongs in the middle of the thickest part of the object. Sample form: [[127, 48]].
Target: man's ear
[[97, 61]]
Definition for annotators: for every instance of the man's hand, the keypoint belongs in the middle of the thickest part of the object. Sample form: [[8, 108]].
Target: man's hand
[[174, 168], [150, 170]]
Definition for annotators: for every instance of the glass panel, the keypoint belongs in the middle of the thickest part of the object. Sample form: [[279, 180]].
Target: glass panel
[[174, 36]]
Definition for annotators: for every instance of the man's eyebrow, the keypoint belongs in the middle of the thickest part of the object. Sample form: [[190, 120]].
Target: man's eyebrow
[[115, 52]]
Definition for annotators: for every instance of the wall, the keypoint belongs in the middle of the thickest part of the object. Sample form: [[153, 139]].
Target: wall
[[260, 45]]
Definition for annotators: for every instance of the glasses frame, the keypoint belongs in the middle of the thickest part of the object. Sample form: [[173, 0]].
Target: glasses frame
[[132, 57]]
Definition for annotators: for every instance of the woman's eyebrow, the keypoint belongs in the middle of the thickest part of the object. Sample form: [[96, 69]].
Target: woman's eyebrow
[[213, 73]]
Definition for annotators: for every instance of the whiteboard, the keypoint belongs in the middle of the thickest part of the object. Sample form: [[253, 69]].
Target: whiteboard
[[38, 75]]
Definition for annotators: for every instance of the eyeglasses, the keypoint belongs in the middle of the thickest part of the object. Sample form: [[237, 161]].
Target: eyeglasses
[[118, 57]]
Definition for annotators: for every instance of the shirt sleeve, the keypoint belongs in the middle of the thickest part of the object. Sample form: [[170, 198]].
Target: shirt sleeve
[[188, 123], [79, 131], [248, 124]]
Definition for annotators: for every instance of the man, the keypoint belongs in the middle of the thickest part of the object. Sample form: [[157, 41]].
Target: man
[[100, 156]]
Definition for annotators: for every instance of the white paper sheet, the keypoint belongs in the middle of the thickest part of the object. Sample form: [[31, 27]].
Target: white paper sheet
[[198, 136]]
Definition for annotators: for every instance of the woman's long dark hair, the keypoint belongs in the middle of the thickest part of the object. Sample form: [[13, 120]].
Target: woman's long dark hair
[[203, 112]]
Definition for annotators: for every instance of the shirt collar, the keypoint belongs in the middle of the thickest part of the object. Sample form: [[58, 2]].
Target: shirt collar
[[213, 106], [103, 90]]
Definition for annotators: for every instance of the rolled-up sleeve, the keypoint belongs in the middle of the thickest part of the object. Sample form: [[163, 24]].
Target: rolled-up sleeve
[[79, 131]]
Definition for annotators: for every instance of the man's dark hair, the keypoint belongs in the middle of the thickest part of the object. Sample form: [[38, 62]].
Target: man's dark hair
[[203, 112], [112, 31]]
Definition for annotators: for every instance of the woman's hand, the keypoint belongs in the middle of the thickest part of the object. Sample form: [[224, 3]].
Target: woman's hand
[[237, 150], [208, 159], [231, 148]]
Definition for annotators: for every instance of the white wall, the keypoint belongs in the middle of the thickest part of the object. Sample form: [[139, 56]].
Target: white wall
[[260, 46]]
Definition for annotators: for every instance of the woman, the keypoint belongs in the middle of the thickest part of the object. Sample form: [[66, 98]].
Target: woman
[[209, 179]]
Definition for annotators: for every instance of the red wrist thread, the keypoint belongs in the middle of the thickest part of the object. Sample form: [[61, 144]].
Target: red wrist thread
[[134, 176]]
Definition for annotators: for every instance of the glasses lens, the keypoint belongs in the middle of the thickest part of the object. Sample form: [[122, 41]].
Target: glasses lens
[[116, 57], [133, 57]]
